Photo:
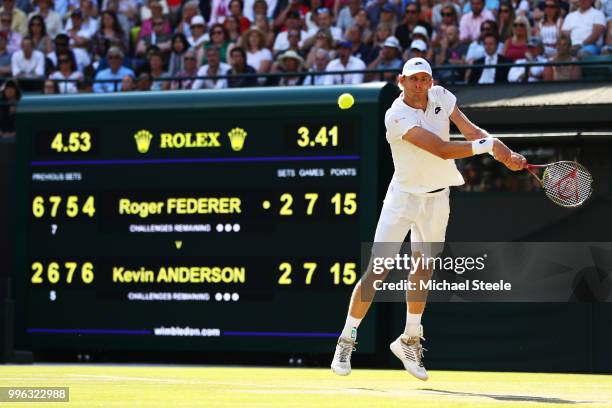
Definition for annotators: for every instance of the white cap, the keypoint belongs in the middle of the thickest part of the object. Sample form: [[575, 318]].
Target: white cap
[[416, 65], [420, 30], [197, 20], [419, 45], [392, 42]]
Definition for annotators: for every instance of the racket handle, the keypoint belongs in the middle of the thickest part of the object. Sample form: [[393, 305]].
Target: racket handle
[[536, 166]]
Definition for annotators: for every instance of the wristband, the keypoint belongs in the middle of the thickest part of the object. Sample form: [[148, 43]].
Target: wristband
[[480, 146]]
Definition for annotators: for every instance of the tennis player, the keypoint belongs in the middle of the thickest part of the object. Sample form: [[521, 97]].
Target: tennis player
[[417, 200]]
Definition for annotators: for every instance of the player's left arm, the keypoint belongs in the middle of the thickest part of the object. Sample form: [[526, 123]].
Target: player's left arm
[[468, 129]]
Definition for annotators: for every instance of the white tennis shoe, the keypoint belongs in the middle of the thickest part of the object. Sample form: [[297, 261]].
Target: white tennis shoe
[[410, 353], [341, 364]]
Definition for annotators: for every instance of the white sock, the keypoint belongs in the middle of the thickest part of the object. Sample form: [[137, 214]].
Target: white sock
[[349, 332], [413, 324]]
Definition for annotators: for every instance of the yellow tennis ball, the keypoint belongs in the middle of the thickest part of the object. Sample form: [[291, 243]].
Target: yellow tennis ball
[[345, 101]]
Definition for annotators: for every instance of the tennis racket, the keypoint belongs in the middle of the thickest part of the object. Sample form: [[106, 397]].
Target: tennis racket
[[566, 183]]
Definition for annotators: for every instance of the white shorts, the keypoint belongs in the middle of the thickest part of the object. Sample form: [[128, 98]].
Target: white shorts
[[426, 215]]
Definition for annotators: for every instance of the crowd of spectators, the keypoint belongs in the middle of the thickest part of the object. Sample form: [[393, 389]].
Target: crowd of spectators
[[71, 46]]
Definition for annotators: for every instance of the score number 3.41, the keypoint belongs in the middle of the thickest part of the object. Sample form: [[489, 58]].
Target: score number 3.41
[[322, 137]]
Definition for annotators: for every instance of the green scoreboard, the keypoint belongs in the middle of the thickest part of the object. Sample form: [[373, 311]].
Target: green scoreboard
[[208, 221]]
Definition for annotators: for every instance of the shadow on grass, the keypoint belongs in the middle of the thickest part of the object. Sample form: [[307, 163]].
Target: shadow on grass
[[522, 398]]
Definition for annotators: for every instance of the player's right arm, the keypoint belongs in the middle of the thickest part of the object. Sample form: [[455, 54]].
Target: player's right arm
[[432, 143]]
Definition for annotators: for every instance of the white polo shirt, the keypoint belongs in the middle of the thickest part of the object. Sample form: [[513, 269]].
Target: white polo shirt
[[580, 25], [417, 170]]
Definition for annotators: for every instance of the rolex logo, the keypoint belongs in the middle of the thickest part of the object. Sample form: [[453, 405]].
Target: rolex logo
[[237, 136], [143, 140]]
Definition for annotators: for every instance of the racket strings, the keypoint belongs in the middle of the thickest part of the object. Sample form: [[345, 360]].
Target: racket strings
[[567, 183]]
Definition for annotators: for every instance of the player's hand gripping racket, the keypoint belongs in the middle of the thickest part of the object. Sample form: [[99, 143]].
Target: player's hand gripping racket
[[566, 183]]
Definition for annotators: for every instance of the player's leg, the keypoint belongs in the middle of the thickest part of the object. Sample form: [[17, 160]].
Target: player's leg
[[392, 228], [427, 238]]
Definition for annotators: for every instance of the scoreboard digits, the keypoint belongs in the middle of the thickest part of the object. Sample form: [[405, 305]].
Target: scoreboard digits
[[192, 213]]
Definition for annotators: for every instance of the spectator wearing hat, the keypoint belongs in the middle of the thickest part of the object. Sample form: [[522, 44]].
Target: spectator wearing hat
[[388, 16], [5, 57], [469, 25], [359, 50], [293, 22], [67, 75], [19, 21], [53, 21], [389, 57], [420, 33], [258, 56], [320, 61], [239, 65], [213, 68], [89, 17], [115, 71], [375, 8], [347, 14], [79, 36], [13, 38], [158, 38], [417, 49], [324, 22], [288, 62], [585, 27], [189, 71], [490, 75], [198, 32], [529, 74], [403, 32], [28, 62], [345, 62], [190, 11]]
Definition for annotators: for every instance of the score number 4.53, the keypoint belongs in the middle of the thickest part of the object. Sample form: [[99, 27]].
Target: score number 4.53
[[75, 142]]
